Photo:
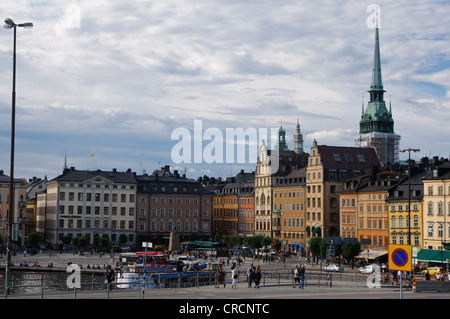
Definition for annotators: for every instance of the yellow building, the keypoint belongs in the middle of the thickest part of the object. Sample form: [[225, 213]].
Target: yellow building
[[288, 220], [19, 216], [402, 220], [225, 210], [328, 169], [436, 208]]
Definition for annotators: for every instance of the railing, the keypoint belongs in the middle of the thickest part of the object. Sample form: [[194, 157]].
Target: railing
[[275, 278]]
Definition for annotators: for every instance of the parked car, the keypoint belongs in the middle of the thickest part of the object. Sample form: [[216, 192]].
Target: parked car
[[433, 271], [333, 267]]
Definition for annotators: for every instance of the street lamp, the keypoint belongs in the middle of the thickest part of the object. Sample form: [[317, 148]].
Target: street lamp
[[409, 150], [9, 24]]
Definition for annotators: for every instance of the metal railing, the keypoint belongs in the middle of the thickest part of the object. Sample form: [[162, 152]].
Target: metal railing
[[275, 278]]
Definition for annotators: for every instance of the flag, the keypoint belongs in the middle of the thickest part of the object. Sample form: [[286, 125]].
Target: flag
[[92, 155]]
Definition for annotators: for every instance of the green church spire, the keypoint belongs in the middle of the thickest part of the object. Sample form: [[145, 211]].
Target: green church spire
[[377, 83], [281, 145], [376, 117]]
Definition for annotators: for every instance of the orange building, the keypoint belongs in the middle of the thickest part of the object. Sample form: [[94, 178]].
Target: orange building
[[288, 216], [373, 222]]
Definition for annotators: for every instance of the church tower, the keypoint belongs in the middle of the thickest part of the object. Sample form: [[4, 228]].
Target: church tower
[[281, 144], [376, 127], [298, 140]]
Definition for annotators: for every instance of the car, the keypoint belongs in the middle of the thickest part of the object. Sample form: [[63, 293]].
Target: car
[[333, 267], [369, 269], [433, 271]]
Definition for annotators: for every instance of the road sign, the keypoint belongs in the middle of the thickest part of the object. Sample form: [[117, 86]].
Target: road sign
[[400, 257], [330, 252]]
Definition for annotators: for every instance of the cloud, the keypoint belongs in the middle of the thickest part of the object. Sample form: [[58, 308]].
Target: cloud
[[120, 76]]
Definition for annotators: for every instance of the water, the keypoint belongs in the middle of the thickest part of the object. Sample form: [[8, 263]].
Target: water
[[23, 282]]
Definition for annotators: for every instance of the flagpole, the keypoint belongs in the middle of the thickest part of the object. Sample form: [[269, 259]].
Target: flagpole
[[93, 156]]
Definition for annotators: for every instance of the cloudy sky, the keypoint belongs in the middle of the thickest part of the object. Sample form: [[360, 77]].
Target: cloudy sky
[[118, 78]]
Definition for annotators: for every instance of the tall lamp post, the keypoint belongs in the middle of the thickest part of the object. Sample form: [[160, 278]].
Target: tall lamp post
[[409, 150], [9, 24]]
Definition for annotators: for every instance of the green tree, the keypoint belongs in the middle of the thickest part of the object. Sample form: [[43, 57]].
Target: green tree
[[317, 245], [74, 241], [33, 239], [83, 242], [351, 251]]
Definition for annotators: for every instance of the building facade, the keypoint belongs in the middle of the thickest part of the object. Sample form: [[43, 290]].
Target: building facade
[[328, 169], [288, 216], [406, 212], [273, 164], [373, 217], [168, 202], [19, 214], [436, 208], [81, 203]]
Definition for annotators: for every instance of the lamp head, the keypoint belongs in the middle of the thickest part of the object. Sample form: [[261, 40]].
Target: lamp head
[[26, 25], [9, 24]]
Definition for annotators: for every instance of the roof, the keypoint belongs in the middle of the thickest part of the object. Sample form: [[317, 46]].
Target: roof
[[348, 158], [80, 176]]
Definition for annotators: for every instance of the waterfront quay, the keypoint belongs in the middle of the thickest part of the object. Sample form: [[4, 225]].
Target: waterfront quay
[[275, 285]]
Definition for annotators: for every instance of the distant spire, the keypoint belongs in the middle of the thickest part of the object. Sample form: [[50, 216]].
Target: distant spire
[[65, 160], [298, 139], [377, 83]]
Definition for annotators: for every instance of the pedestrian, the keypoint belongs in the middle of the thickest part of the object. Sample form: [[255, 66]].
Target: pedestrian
[[233, 276], [220, 275], [109, 275], [302, 277], [296, 276], [250, 275], [257, 275]]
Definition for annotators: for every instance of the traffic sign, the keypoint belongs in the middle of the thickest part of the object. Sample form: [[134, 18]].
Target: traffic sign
[[400, 257]]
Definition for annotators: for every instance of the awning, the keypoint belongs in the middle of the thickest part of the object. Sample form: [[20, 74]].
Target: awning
[[434, 256], [372, 253], [202, 243]]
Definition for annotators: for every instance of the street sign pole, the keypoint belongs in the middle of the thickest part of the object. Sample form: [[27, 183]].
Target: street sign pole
[[146, 245], [400, 257]]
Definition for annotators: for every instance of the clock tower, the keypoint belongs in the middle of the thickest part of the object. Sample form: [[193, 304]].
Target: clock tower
[[376, 127]]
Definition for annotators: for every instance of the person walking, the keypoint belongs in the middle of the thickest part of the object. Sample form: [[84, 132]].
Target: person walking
[[109, 276], [296, 276], [257, 276], [220, 276], [250, 275], [302, 277], [233, 276]]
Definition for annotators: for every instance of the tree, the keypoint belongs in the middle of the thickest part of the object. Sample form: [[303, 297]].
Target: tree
[[83, 242], [351, 251], [317, 245], [33, 239]]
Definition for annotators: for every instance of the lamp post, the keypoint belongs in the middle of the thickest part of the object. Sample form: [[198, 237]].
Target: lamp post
[[409, 150], [9, 24]]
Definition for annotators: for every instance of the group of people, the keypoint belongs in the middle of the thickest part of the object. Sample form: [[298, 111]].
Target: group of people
[[299, 277], [254, 275]]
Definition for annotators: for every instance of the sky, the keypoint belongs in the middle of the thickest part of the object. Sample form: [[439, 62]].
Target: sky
[[122, 84]]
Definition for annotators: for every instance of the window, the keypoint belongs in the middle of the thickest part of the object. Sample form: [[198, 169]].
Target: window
[[430, 230], [337, 157], [349, 157], [361, 158]]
